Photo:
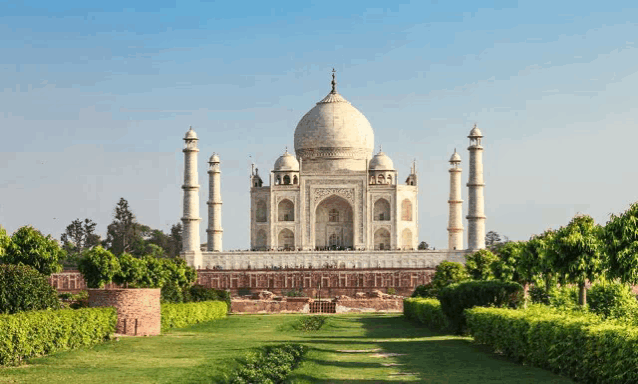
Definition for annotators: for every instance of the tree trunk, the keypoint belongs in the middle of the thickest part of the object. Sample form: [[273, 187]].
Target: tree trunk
[[525, 295], [582, 294]]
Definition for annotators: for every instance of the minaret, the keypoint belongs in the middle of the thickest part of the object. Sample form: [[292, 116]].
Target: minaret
[[455, 224], [476, 200], [190, 236], [214, 205]]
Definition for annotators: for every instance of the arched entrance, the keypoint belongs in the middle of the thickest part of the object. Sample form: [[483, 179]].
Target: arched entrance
[[406, 239], [334, 224], [382, 239], [286, 239]]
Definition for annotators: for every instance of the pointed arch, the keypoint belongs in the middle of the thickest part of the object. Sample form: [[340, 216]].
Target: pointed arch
[[261, 212], [381, 210], [382, 239], [286, 239], [261, 241], [286, 210], [406, 239], [406, 210]]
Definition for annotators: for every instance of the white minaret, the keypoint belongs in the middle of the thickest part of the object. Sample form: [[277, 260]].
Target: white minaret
[[476, 200], [190, 236], [455, 224], [214, 230]]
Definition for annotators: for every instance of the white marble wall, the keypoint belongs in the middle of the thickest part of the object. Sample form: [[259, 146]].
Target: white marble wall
[[318, 259]]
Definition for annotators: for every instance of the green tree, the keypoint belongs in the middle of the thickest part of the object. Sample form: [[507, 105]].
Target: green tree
[[132, 271], [122, 234], [77, 237], [506, 268], [581, 253], [175, 240], [621, 239], [423, 246], [5, 240], [492, 238], [479, 264], [22, 288], [30, 247], [98, 266]]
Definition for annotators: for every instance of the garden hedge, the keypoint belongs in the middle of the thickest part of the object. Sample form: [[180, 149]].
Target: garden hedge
[[181, 315], [36, 333], [425, 311], [578, 345], [456, 298]]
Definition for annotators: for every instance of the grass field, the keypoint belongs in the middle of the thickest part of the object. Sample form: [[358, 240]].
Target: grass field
[[348, 349]]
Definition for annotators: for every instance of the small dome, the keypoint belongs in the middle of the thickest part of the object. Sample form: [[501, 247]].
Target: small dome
[[381, 162], [214, 158], [456, 158], [287, 162], [475, 132], [190, 135]]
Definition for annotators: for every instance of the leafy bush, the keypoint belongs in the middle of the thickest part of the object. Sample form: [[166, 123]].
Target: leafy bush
[[565, 297], [271, 364], [36, 333], [539, 295], [181, 315], [98, 266], [612, 300], [30, 247], [447, 272], [172, 293], [479, 264], [198, 293], [425, 311], [575, 344], [294, 293], [458, 297], [22, 288], [310, 323]]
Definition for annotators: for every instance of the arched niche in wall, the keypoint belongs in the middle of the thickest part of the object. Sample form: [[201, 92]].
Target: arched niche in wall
[[261, 213], [406, 210], [381, 210], [286, 210]]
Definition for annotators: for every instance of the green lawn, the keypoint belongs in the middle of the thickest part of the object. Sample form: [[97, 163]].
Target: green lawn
[[206, 353]]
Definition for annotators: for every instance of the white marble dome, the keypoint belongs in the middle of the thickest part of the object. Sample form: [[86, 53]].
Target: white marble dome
[[334, 129], [456, 158], [475, 132], [214, 158], [190, 135], [286, 162], [381, 162]]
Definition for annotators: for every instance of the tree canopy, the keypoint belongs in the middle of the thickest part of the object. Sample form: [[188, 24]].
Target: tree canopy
[[28, 246]]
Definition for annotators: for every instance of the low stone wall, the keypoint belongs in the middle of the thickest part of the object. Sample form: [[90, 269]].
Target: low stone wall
[[269, 306], [370, 305], [138, 310]]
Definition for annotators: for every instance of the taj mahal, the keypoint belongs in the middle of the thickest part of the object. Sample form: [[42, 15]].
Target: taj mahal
[[333, 203]]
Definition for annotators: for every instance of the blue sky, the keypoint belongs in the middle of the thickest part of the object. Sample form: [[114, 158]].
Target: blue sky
[[95, 99]]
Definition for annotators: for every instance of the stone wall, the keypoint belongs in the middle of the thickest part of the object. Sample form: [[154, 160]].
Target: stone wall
[[317, 282], [138, 310]]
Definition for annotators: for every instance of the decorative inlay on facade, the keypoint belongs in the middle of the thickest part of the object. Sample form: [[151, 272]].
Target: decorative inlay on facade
[[352, 153], [321, 193]]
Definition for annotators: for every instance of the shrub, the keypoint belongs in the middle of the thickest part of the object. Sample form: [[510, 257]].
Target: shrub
[[198, 293], [565, 297], [612, 300], [447, 272], [30, 247], [539, 295], [181, 315], [36, 333], [172, 293], [479, 264], [98, 266], [310, 323], [22, 288], [458, 297], [270, 364], [575, 344], [294, 293], [425, 311]]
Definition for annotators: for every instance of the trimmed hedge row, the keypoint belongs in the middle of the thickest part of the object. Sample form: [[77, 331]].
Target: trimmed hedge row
[[36, 333], [426, 311], [458, 297], [581, 346], [181, 315]]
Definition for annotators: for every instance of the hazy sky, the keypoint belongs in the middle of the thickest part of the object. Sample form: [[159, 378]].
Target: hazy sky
[[95, 101]]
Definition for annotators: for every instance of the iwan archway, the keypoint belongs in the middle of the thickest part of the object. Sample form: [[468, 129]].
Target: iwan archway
[[334, 224]]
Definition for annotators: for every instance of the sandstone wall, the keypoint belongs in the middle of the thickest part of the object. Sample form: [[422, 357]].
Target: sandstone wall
[[138, 310]]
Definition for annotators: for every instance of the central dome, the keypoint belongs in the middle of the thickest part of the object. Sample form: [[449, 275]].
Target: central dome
[[334, 129]]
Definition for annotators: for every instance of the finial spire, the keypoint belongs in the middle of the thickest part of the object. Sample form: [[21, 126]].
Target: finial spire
[[334, 82], [380, 148]]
